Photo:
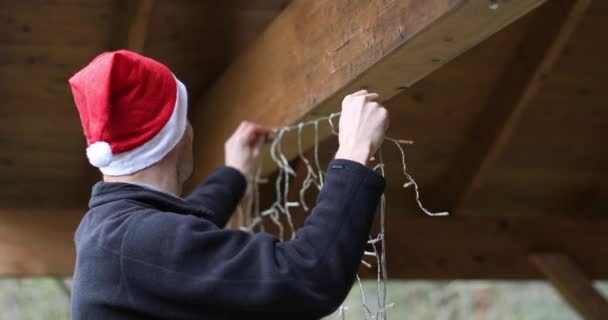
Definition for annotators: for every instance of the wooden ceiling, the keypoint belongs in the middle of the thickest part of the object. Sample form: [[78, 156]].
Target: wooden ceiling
[[551, 163], [555, 162], [42, 160]]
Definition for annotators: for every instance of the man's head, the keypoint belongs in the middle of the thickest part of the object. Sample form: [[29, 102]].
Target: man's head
[[134, 114]]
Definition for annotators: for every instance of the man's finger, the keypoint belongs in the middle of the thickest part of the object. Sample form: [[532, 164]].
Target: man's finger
[[373, 97], [257, 148], [254, 128], [246, 134], [253, 132], [240, 127], [359, 93], [261, 139], [261, 130]]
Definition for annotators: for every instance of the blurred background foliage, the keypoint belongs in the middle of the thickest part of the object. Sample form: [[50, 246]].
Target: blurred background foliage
[[466, 300], [48, 299], [34, 299]]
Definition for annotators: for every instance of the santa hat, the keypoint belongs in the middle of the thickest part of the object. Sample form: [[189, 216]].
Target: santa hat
[[133, 111]]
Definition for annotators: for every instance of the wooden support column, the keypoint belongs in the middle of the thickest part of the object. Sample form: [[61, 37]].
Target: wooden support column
[[134, 25], [38, 242], [573, 284], [316, 52], [551, 28], [139, 25]]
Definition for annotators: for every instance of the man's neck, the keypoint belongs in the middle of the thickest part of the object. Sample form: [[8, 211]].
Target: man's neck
[[157, 176]]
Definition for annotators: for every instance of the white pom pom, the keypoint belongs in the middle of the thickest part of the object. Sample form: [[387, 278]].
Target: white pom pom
[[99, 154]]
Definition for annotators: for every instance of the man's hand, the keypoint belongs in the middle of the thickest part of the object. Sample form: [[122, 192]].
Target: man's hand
[[363, 124], [243, 148]]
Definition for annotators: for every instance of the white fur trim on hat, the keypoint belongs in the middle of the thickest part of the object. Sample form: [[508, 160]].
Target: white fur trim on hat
[[156, 148], [99, 154]]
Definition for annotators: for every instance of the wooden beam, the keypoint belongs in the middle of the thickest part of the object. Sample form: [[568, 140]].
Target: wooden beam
[[37, 242], [573, 284], [138, 14], [467, 248], [139, 26], [40, 243], [315, 52], [550, 30]]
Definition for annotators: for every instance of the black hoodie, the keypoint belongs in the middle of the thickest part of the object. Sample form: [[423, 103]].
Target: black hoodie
[[144, 254]]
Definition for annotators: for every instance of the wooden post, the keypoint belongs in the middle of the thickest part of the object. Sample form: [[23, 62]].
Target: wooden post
[[573, 284], [132, 29], [139, 25]]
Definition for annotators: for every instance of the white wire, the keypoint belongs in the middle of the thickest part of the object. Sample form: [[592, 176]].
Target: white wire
[[254, 218]]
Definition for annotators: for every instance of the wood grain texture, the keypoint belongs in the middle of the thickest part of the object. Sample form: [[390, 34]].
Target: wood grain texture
[[316, 52], [553, 164], [548, 35], [572, 283], [138, 29], [43, 43], [489, 248], [37, 242], [199, 39]]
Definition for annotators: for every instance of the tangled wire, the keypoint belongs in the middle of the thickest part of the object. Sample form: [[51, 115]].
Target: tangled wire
[[251, 219]]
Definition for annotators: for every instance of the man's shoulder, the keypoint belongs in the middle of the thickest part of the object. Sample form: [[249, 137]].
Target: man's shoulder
[[105, 226]]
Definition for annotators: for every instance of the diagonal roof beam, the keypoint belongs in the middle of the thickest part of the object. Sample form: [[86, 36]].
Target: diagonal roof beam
[[572, 283], [549, 32]]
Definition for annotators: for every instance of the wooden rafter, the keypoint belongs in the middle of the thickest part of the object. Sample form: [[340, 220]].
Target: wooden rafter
[[550, 30], [315, 52], [137, 15], [36, 242], [139, 26], [573, 284], [474, 248]]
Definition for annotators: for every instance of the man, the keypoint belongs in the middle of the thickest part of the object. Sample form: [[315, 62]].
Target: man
[[145, 253]]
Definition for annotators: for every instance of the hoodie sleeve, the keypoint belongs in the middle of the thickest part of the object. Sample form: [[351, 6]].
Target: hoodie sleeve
[[220, 194], [177, 266]]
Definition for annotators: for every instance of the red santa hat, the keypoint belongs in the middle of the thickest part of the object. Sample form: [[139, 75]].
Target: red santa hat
[[133, 111]]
